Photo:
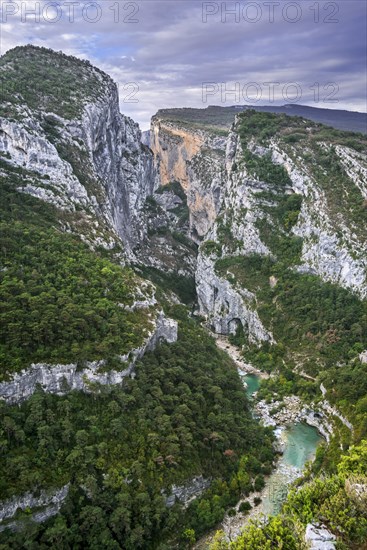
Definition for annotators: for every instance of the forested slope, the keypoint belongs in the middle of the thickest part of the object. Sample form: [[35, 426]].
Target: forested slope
[[101, 468]]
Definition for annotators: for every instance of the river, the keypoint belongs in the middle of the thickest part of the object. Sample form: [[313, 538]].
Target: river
[[299, 442]]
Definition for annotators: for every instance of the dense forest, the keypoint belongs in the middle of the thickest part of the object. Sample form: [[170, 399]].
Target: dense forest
[[60, 301], [182, 419], [184, 414]]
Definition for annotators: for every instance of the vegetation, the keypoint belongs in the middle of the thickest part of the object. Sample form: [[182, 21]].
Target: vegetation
[[183, 286], [347, 388], [121, 448], [293, 129], [211, 247], [49, 81], [336, 498], [60, 301], [336, 501], [264, 169], [344, 201]]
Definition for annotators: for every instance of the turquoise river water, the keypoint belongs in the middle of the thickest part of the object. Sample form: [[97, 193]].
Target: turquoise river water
[[300, 444]]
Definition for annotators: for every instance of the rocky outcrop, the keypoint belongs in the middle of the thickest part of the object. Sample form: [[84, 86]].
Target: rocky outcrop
[[204, 194], [48, 502], [94, 162], [188, 492], [173, 146], [333, 411], [122, 164], [356, 489], [195, 158], [225, 308], [332, 252], [240, 209], [30, 149], [319, 537], [145, 138], [355, 166], [291, 410], [60, 379]]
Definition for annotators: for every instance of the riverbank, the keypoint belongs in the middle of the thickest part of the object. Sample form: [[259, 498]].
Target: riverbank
[[299, 444], [235, 354], [291, 410], [298, 433]]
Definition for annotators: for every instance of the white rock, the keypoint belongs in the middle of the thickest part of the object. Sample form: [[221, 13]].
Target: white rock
[[225, 308], [319, 538], [50, 501], [60, 379]]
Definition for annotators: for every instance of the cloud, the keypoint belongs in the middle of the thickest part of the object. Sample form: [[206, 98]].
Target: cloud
[[169, 51]]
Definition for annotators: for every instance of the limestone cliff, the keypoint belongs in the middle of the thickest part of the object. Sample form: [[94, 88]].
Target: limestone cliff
[[193, 156], [234, 207], [334, 245], [79, 153], [60, 379], [226, 307], [46, 504]]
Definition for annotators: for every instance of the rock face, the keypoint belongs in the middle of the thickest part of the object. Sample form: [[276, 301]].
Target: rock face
[[93, 161], [121, 162], [188, 492], [319, 538], [30, 149], [145, 138], [60, 379], [50, 502], [225, 308], [330, 248], [193, 157]]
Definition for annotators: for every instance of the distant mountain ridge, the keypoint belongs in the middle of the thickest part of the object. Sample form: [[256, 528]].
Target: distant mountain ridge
[[216, 115]]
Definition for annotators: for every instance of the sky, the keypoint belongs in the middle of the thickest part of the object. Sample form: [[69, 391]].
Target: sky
[[193, 53]]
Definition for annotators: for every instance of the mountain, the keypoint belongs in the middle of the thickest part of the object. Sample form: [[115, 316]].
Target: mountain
[[223, 117], [278, 208], [122, 424], [104, 404], [90, 156]]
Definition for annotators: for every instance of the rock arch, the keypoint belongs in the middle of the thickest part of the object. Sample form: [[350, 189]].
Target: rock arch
[[237, 326]]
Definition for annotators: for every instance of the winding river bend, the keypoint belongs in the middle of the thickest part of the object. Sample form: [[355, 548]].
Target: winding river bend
[[299, 443]]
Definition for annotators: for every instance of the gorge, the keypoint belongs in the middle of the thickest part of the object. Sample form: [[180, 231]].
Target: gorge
[[138, 273]]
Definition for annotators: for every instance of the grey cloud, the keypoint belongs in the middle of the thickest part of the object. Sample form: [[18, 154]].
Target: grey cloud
[[171, 51]]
